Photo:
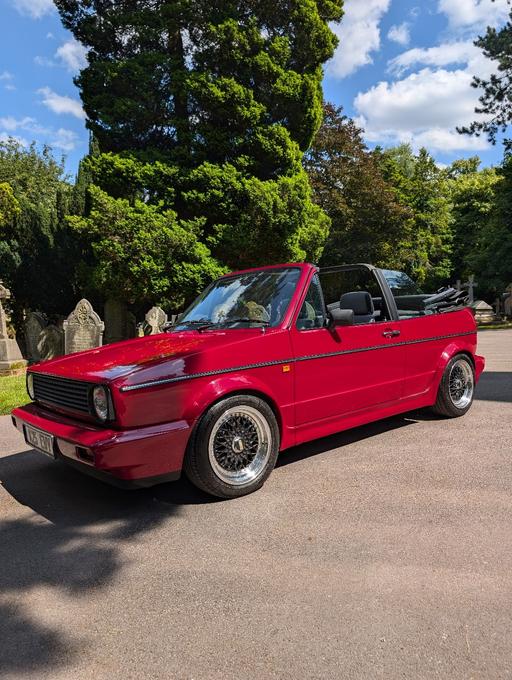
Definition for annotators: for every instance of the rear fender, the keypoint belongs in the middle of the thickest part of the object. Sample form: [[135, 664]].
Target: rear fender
[[448, 353]]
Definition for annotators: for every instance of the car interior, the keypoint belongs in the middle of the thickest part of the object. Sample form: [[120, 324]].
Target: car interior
[[355, 289]]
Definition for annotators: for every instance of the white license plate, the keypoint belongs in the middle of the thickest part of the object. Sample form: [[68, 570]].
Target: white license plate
[[39, 440]]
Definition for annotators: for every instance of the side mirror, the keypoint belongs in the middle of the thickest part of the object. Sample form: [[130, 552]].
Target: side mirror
[[341, 317]]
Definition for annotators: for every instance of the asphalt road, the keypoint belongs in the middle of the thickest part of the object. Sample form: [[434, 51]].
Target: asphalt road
[[384, 552]]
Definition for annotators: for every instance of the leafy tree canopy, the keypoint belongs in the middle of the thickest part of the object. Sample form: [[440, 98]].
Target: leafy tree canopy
[[148, 254], [235, 81], [204, 110], [34, 255], [495, 110], [369, 224], [421, 185]]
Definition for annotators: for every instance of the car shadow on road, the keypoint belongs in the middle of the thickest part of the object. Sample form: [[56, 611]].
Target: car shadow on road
[[71, 543], [495, 386], [345, 438]]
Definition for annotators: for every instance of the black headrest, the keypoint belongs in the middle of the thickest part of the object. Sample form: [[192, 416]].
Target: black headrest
[[361, 302]]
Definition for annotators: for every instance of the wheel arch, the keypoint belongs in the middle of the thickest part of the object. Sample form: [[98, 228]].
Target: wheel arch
[[450, 351], [217, 391]]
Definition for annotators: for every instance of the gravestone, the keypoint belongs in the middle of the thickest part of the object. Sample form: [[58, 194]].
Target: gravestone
[[507, 305], [471, 284], [11, 359], [34, 324], [83, 329], [120, 324], [483, 312], [51, 343], [156, 319]]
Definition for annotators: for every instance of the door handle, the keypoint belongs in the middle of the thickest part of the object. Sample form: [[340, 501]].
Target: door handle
[[391, 334]]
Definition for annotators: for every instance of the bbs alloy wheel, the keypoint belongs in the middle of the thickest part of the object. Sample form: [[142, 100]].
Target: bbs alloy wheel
[[461, 384], [234, 447], [457, 388]]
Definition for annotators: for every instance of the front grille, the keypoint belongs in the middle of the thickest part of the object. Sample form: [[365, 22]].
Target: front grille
[[67, 394]]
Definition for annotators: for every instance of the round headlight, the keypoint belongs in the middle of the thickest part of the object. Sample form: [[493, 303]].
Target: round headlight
[[100, 402], [30, 386]]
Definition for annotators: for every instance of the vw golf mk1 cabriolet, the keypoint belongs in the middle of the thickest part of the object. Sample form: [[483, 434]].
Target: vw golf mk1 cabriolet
[[263, 360]]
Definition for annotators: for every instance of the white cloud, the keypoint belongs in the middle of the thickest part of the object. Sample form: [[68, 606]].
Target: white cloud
[[44, 61], [12, 124], [463, 52], [359, 34], [400, 34], [424, 109], [61, 104], [73, 55], [5, 75], [34, 8], [10, 87], [60, 139], [474, 13], [64, 139]]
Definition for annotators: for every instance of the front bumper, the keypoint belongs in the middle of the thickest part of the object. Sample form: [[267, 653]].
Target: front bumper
[[139, 457]]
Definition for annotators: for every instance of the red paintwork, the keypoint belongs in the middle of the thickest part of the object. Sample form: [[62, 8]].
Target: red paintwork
[[313, 399]]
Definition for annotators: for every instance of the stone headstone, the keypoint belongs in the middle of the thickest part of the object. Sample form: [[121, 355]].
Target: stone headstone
[[156, 319], [51, 343], [507, 305], [483, 312], [119, 323], [34, 324], [11, 359], [471, 284], [83, 329]]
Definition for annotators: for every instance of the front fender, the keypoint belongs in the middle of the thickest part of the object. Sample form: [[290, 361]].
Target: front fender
[[279, 397]]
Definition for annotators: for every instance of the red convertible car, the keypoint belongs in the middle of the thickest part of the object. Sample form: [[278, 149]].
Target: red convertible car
[[263, 360]]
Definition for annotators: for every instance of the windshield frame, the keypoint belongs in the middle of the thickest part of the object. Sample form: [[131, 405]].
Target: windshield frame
[[254, 325]]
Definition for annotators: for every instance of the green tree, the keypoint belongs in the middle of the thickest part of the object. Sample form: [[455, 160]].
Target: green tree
[[146, 253], [9, 207], [491, 255], [369, 224], [495, 110], [34, 260], [217, 103], [473, 196], [423, 187]]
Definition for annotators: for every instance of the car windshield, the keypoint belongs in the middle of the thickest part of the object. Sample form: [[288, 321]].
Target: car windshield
[[258, 298]]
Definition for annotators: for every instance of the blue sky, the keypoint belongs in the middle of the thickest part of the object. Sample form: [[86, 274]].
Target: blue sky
[[403, 70]]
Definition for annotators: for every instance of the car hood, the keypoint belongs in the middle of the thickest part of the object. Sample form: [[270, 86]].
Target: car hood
[[120, 359]]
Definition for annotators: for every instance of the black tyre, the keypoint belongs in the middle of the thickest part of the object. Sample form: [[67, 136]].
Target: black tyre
[[234, 447], [457, 388]]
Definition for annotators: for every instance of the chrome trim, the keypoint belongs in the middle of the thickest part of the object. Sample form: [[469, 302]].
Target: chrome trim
[[266, 364]]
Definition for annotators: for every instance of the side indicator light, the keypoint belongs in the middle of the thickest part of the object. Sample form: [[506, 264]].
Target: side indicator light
[[287, 368]]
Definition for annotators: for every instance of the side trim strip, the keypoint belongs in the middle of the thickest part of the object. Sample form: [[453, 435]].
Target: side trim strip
[[265, 364]]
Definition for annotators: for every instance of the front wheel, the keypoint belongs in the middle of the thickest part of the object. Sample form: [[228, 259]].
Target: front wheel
[[234, 447], [457, 388]]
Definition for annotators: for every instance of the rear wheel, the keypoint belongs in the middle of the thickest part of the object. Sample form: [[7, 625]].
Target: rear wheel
[[234, 447], [457, 388]]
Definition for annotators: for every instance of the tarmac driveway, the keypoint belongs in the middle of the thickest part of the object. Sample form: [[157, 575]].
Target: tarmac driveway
[[384, 552]]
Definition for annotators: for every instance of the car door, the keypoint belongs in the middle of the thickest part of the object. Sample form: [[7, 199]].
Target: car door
[[344, 370], [425, 334]]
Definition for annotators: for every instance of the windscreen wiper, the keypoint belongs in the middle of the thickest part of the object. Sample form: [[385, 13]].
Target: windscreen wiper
[[213, 324]]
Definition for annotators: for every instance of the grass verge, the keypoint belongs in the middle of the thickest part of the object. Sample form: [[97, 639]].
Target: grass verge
[[12, 393]]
